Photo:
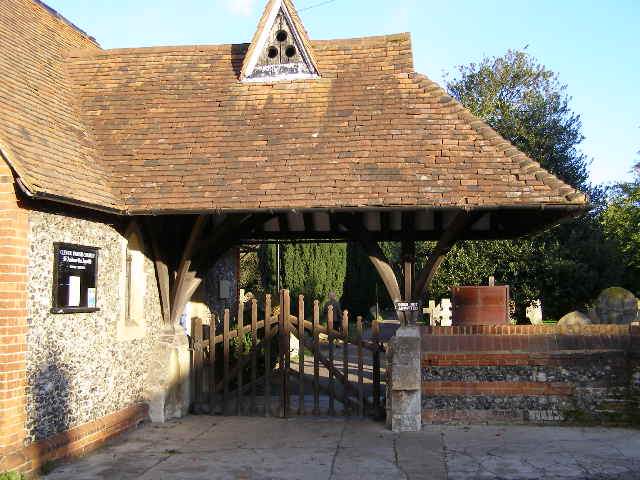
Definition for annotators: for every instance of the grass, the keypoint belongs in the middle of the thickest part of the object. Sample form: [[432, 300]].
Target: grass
[[12, 476]]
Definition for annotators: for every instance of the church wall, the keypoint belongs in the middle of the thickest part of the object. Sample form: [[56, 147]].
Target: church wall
[[79, 366]]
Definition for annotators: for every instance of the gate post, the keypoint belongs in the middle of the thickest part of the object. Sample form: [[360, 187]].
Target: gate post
[[404, 395]]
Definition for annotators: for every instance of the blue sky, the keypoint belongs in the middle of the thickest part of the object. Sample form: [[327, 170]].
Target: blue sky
[[593, 45]]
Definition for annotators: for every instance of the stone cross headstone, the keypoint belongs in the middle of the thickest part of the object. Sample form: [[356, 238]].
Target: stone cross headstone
[[440, 314], [534, 312]]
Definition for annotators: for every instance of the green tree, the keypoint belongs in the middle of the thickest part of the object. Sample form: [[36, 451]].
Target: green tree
[[315, 269], [527, 105], [621, 222], [567, 266], [310, 269], [363, 287]]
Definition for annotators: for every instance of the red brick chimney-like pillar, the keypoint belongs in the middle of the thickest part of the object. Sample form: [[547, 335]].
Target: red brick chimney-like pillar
[[13, 320]]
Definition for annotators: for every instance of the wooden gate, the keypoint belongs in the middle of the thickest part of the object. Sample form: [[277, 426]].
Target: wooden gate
[[245, 366]]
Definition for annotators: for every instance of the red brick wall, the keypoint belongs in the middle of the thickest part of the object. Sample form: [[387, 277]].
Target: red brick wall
[[13, 313]]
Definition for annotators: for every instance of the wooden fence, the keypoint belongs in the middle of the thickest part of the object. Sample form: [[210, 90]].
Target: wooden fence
[[249, 370]]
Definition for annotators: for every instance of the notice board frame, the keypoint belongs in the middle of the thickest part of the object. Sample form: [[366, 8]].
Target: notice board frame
[[63, 309]]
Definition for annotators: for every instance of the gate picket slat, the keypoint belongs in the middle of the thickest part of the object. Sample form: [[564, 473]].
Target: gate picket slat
[[376, 367], [240, 355], [196, 336], [360, 368], [254, 355], [225, 336], [267, 356], [345, 355], [212, 365], [286, 325], [316, 361], [301, 347], [332, 385]]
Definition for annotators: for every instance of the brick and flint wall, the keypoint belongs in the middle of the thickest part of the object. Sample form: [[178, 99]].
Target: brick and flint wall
[[68, 382], [536, 374]]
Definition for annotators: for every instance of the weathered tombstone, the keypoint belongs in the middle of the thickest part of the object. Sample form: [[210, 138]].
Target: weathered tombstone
[[439, 315], [445, 312], [616, 306], [534, 312], [574, 318]]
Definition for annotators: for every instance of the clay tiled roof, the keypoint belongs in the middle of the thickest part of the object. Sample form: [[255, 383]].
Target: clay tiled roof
[[42, 135], [174, 129]]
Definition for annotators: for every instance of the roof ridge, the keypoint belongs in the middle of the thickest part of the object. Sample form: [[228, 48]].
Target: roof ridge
[[526, 163], [54, 13]]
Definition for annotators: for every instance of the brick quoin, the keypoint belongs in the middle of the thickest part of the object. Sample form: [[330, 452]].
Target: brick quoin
[[13, 316]]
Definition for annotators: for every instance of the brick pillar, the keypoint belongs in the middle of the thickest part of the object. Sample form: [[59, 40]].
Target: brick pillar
[[13, 318]]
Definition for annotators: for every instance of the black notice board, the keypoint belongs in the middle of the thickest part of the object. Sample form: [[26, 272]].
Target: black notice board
[[75, 270]]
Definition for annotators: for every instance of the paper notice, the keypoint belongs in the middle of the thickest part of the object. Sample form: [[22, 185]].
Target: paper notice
[[91, 297], [74, 292]]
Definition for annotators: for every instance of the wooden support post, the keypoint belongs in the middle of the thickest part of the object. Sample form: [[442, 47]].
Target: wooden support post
[[267, 356], [316, 362], [285, 353], [301, 347], [408, 263]]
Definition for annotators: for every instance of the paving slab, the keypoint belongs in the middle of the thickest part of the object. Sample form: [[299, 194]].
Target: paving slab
[[256, 448]]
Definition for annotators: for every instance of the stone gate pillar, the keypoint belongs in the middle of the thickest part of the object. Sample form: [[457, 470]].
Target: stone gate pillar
[[404, 395]]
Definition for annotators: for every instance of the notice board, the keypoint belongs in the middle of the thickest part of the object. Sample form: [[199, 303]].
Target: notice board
[[75, 271]]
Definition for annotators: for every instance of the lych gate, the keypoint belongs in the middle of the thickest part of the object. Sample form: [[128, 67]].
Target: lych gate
[[160, 160]]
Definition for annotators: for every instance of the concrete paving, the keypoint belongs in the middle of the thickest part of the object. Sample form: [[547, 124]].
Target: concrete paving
[[241, 448]]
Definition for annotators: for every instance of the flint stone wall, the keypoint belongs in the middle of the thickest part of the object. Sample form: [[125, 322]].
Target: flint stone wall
[[77, 371], [530, 374], [226, 268]]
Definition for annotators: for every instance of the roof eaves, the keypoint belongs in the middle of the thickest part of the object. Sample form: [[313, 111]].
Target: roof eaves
[[525, 163]]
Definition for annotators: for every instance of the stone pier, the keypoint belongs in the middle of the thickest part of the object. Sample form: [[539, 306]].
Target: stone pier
[[404, 396]]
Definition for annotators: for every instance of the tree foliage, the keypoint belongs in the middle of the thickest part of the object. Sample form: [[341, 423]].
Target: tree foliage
[[315, 269], [527, 105], [311, 269], [621, 222], [567, 266]]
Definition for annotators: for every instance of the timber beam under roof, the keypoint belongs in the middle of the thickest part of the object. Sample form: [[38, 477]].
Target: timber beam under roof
[[399, 225]]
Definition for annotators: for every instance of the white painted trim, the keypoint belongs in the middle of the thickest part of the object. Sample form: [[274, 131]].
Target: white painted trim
[[261, 43], [263, 38], [283, 78]]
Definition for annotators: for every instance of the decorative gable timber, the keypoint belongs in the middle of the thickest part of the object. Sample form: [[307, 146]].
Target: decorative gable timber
[[280, 49]]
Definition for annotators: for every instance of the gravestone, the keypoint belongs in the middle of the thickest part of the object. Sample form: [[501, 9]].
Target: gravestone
[[534, 313], [574, 318], [440, 314], [616, 306]]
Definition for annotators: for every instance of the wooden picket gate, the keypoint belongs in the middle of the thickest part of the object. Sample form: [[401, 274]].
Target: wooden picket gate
[[249, 370]]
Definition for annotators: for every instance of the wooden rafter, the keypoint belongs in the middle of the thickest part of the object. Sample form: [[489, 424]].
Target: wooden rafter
[[453, 232], [161, 261], [375, 254], [186, 280]]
